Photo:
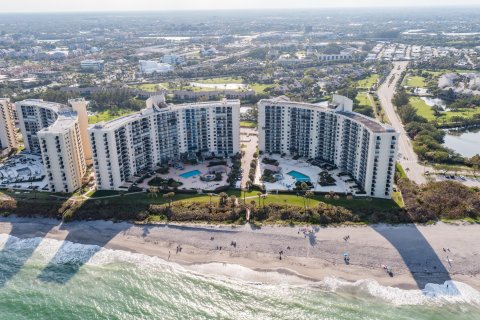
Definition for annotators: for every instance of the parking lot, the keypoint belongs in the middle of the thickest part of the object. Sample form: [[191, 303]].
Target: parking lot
[[469, 181], [23, 171]]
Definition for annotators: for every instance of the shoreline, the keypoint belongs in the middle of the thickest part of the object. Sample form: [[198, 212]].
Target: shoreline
[[418, 254]]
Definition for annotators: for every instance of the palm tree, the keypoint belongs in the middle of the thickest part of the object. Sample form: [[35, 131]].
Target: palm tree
[[308, 195], [248, 185], [233, 199], [169, 197], [223, 198], [259, 194], [304, 187], [264, 197], [153, 192]]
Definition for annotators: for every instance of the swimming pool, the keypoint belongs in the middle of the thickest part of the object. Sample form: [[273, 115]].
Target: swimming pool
[[190, 174], [298, 176]]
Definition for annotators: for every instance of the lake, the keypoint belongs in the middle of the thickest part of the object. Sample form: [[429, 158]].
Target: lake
[[466, 143]]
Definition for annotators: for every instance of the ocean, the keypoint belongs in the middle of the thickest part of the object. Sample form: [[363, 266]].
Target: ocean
[[48, 279]]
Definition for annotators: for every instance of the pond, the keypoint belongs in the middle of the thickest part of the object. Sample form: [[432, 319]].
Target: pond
[[466, 142]]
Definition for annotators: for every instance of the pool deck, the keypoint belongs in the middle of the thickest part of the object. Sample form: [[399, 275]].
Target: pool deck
[[190, 174], [287, 164], [193, 182]]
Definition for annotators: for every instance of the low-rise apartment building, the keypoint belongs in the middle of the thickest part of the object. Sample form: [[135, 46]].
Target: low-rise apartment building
[[92, 65]]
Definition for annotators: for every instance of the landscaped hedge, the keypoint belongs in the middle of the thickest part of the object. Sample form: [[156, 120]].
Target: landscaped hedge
[[194, 211]]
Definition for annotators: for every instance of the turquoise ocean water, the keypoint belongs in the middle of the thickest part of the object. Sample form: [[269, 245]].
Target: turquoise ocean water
[[50, 279]]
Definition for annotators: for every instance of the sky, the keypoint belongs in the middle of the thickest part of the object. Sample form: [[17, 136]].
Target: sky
[[154, 5]]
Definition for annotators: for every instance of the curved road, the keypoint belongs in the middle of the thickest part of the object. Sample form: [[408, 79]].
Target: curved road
[[407, 157]]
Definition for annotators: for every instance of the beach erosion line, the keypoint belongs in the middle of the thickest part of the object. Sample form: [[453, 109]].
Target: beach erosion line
[[51, 251]]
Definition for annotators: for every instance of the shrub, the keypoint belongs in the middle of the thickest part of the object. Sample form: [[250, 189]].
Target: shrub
[[163, 170], [217, 163], [436, 200], [270, 161]]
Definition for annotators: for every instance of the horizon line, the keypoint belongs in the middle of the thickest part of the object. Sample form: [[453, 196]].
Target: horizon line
[[466, 6]]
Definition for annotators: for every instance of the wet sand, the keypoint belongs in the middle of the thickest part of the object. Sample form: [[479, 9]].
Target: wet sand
[[417, 254]]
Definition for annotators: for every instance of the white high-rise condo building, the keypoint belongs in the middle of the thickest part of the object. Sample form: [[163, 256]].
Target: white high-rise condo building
[[149, 67], [360, 146], [7, 126], [92, 65], [54, 130], [162, 134]]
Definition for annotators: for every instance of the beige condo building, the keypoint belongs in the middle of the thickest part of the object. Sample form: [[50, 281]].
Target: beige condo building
[[8, 139], [55, 131]]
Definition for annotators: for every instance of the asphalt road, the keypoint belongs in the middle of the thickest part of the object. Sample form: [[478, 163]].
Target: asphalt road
[[407, 157]]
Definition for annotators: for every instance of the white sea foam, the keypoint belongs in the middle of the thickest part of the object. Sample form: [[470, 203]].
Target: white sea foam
[[448, 292], [246, 274], [65, 252]]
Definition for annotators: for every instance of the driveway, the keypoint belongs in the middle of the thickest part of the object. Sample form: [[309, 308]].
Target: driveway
[[249, 138]]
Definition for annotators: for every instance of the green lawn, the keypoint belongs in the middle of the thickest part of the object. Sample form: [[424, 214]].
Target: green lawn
[[443, 71], [399, 170], [423, 109], [397, 197], [248, 124], [426, 111], [156, 86], [173, 86], [259, 87], [140, 201], [368, 82], [363, 99], [415, 81], [365, 103], [179, 197], [102, 193], [205, 89], [107, 115], [465, 113], [220, 80], [151, 87], [291, 199], [28, 195], [354, 204]]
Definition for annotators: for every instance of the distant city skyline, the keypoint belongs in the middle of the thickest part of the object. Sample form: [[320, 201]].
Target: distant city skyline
[[149, 5]]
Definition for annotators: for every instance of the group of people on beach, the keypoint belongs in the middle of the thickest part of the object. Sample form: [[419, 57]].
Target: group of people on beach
[[232, 243], [388, 270], [305, 231], [448, 258]]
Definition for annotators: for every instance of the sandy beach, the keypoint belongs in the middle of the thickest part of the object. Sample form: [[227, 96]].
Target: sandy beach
[[417, 254]]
